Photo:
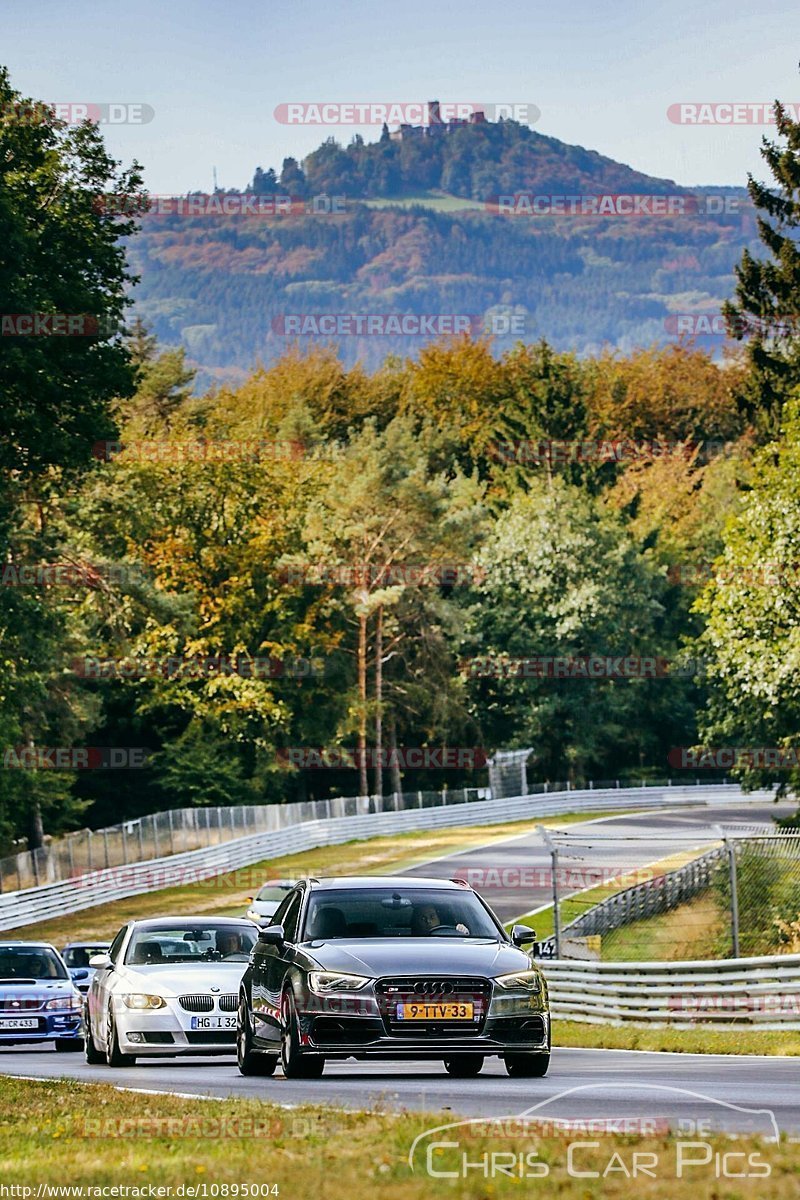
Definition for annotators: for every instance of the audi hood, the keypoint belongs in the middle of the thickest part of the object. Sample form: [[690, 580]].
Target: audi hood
[[377, 957]]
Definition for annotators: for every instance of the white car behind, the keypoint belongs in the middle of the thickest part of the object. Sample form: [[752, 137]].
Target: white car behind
[[267, 898], [168, 986]]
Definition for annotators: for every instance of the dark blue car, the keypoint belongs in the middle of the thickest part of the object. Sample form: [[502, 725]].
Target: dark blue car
[[77, 955], [38, 1000]]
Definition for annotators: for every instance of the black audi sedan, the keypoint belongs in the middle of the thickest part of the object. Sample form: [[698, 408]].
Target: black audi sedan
[[390, 968]]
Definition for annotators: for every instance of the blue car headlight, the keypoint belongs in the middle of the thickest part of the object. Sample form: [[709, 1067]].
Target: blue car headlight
[[64, 1004]]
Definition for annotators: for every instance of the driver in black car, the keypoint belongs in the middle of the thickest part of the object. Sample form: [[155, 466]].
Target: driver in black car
[[426, 918]]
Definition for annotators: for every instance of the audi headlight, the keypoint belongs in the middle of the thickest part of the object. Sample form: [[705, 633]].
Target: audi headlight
[[141, 1000], [521, 981], [64, 1004], [324, 982]]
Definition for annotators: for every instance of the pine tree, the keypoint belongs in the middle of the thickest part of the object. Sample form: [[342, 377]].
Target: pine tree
[[767, 306]]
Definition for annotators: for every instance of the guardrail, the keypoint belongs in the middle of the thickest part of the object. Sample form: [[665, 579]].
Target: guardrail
[[33, 905], [663, 892], [762, 992]]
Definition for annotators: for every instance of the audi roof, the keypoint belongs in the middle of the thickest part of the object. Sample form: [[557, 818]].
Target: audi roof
[[385, 881]]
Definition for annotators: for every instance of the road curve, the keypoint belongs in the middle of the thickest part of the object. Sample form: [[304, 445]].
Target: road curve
[[582, 1084], [678, 1088]]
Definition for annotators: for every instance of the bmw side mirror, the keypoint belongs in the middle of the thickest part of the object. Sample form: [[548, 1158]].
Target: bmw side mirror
[[79, 973], [521, 934], [99, 961], [272, 935]]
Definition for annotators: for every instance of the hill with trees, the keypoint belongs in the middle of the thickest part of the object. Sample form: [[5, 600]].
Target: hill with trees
[[416, 229]]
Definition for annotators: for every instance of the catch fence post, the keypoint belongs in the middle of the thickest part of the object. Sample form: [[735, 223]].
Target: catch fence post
[[551, 846]]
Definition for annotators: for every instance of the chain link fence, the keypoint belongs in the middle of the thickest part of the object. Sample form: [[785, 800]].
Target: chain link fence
[[736, 897], [177, 830]]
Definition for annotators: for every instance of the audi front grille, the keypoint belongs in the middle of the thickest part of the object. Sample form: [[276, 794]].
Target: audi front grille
[[430, 989]]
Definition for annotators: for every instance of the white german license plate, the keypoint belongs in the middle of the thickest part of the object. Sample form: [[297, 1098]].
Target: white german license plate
[[435, 1012], [19, 1023], [213, 1022]]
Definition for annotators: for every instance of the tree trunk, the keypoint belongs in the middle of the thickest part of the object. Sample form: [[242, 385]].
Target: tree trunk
[[394, 765], [363, 783], [36, 826], [378, 784]]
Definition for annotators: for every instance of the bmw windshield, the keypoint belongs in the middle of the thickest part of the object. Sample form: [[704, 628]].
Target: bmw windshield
[[207, 942], [396, 913]]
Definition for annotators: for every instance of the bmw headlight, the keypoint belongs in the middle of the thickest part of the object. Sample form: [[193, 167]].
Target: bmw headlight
[[141, 1000], [64, 1004], [325, 982], [521, 981]]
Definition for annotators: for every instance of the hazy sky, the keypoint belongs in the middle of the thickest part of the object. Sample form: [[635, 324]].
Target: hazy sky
[[603, 75]]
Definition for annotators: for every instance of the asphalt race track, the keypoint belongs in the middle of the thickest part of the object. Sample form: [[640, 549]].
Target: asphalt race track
[[581, 1084], [613, 1083], [506, 866]]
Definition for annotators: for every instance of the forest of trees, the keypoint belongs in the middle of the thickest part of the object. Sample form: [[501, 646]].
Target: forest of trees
[[331, 556]]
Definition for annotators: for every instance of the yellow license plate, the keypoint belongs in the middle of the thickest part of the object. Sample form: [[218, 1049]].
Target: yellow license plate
[[435, 1012]]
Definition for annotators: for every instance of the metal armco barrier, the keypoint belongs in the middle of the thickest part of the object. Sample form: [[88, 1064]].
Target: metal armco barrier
[[730, 993], [21, 908], [654, 896]]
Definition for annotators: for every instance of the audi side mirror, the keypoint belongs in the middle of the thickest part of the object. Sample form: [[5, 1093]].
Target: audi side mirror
[[99, 961], [79, 973], [272, 935], [522, 934]]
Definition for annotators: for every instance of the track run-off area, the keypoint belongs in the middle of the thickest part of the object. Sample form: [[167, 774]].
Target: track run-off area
[[731, 1092]]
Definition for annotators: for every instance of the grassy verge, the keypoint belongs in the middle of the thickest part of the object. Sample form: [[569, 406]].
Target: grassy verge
[[66, 1133], [696, 929], [227, 895], [679, 1041]]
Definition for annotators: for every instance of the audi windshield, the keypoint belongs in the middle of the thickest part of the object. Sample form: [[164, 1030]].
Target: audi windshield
[[393, 913]]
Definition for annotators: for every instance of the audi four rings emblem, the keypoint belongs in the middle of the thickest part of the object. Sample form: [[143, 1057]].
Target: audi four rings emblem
[[436, 987]]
